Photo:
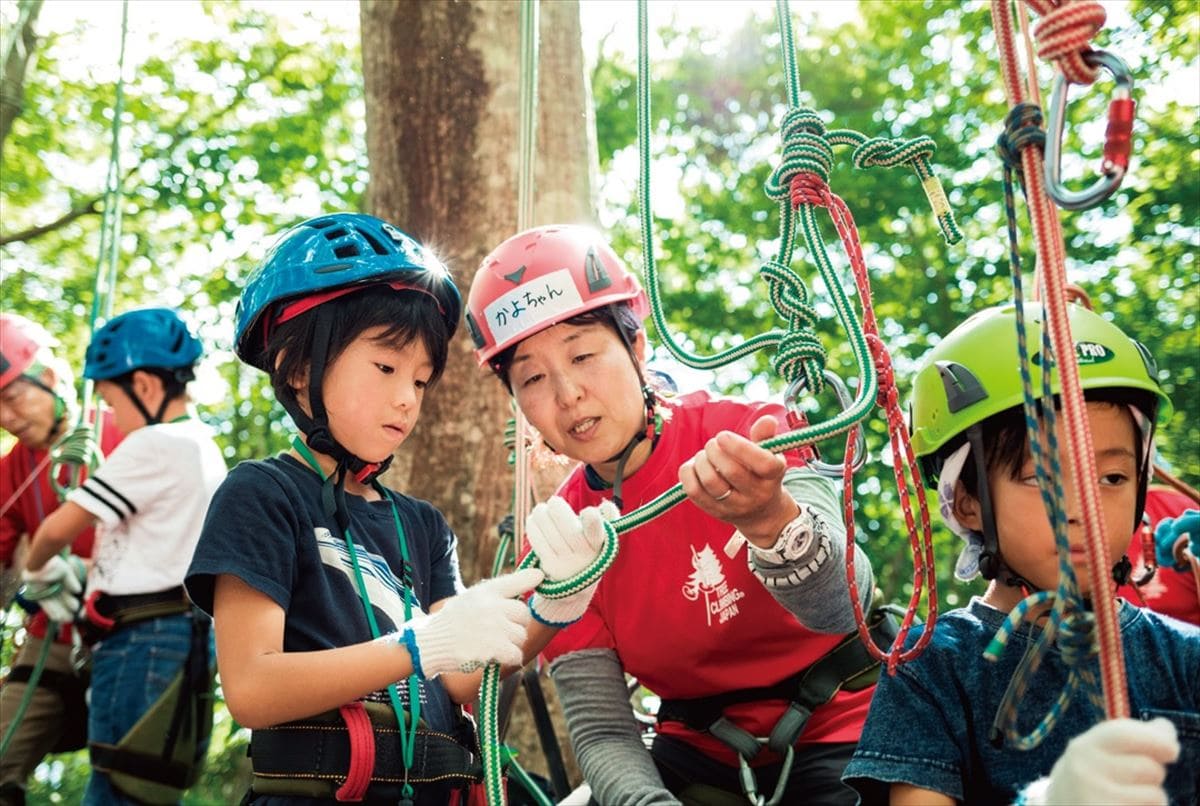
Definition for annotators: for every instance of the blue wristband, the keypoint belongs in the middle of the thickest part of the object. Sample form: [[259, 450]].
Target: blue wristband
[[410, 643], [556, 625]]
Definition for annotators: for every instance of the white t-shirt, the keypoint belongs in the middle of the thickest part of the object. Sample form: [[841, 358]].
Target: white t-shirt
[[151, 495]]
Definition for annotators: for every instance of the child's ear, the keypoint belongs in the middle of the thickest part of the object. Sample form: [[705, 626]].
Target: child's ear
[[145, 382], [297, 381], [966, 508]]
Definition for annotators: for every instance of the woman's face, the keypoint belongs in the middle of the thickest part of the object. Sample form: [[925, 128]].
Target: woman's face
[[579, 387]]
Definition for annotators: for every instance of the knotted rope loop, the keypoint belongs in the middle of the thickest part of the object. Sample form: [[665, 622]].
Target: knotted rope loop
[[1022, 129], [1077, 638], [1063, 33], [888, 396], [800, 355], [885, 153], [805, 149]]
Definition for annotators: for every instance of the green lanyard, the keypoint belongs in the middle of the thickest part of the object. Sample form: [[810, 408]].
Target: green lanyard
[[408, 730]]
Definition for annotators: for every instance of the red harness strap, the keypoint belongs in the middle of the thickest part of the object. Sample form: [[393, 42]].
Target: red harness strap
[[362, 752]]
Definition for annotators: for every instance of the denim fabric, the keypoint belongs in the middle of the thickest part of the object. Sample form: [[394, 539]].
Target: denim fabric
[[929, 724], [130, 670]]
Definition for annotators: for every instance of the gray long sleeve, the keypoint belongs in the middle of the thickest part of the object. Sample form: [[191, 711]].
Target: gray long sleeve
[[604, 733], [819, 597]]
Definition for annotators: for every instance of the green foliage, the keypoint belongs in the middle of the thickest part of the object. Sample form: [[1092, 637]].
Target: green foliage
[[908, 69], [226, 140]]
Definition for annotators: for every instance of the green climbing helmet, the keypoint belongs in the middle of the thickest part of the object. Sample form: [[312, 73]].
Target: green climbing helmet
[[973, 372]]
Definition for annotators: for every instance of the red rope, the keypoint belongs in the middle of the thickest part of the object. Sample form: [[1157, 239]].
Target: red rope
[[1064, 33], [1051, 259], [809, 188]]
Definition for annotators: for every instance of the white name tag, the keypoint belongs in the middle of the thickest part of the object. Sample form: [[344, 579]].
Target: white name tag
[[531, 304]]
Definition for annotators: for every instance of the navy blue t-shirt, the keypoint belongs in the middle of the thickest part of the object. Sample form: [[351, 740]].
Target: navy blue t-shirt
[[929, 724], [266, 526]]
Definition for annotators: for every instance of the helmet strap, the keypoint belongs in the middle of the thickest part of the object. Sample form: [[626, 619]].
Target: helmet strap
[[990, 561], [317, 433], [126, 385], [651, 432]]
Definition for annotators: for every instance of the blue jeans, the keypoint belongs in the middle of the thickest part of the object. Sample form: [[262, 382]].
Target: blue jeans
[[130, 670]]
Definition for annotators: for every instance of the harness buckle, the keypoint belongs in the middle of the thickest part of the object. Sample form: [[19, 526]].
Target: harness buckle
[[1117, 137], [750, 783]]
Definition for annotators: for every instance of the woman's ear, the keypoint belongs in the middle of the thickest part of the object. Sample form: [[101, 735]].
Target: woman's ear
[[639, 347], [966, 508]]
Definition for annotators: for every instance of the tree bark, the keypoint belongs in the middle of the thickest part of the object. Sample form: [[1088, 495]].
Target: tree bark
[[442, 89], [18, 55]]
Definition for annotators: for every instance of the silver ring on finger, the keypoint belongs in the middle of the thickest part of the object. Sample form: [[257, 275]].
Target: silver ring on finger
[[723, 495]]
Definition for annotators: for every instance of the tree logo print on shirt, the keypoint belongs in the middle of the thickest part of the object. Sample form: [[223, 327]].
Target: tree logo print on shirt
[[708, 578]]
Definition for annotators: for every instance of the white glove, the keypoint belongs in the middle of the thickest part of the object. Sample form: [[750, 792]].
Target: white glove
[[565, 544], [484, 623], [1118, 761], [56, 587]]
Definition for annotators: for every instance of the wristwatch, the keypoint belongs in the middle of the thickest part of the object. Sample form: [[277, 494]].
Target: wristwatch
[[778, 566], [794, 540]]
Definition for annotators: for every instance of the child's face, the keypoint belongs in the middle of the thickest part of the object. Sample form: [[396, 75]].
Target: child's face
[[579, 388], [373, 394], [1026, 539]]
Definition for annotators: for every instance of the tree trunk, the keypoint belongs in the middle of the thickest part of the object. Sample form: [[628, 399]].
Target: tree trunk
[[442, 89], [18, 55]]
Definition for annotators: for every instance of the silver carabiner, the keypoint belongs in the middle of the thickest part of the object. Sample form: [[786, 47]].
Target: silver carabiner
[[1117, 137], [845, 400]]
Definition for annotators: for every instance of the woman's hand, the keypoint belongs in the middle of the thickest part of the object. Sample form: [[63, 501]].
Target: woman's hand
[[737, 481]]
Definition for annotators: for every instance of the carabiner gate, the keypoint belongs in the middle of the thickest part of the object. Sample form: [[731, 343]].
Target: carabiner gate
[[845, 399], [1117, 137]]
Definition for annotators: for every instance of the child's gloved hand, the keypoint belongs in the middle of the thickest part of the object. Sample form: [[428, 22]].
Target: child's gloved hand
[[1119, 761], [484, 623], [56, 587], [1169, 531], [565, 544]]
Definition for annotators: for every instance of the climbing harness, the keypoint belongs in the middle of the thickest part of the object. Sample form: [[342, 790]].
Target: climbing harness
[[358, 773], [163, 753], [1062, 36], [848, 666]]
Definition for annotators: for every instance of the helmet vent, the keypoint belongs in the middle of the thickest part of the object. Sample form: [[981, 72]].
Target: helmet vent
[[347, 250], [334, 234], [375, 244], [177, 344]]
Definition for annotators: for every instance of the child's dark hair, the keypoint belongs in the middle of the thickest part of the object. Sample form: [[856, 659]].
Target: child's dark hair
[[1006, 447], [405, 315], [619, 317]]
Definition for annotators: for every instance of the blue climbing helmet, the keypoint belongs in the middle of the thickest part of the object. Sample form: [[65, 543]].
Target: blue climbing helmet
[[149, 338], [312, 263], [328, 256]]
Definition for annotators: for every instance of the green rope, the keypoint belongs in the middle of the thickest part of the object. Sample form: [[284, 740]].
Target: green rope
[[77, 449], [405, 722], [799, 355], [35, 675]]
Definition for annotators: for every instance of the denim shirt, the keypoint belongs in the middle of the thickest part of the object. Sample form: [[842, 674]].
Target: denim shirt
[[929, 724]]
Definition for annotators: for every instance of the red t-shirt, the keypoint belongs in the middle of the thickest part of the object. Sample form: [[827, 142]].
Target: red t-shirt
[[683, 617], [36, 501], [1171, 592]]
